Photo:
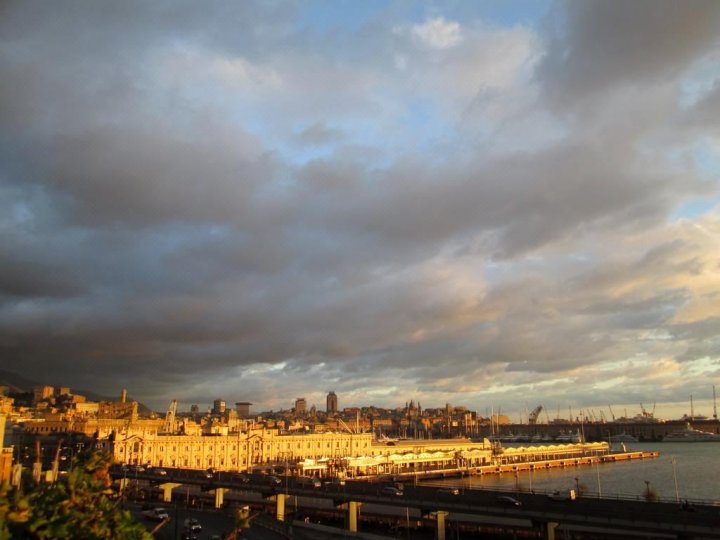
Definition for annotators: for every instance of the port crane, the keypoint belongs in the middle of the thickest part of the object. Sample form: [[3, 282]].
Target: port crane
[[534, 415]]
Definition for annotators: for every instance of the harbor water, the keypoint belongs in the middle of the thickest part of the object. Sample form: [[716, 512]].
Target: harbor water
[[684, 471]]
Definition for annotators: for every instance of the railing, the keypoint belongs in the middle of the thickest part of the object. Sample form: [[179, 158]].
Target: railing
[[584, 494]]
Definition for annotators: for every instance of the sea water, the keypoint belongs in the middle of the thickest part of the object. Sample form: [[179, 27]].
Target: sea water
[[684, 471]]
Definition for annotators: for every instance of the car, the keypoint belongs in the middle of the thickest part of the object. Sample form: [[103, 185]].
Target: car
[[137, 469], [391, 490], [449, 491], [333, 481], [209, 473], [274, 480], [507, 500], [193, 525], [158, 471], [562, 495], [241, 477], [309, 481], [157, 514]]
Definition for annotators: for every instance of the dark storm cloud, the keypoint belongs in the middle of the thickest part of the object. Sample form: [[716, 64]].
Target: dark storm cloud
[[196, 195], [597, 46]]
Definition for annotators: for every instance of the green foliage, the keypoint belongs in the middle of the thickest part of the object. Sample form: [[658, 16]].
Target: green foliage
[[80, 504]]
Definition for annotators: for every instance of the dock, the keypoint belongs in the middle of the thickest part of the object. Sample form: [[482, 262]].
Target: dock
[[577, 461]]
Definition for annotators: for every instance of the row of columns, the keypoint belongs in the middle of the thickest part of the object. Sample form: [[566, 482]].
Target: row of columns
[[548, 529]]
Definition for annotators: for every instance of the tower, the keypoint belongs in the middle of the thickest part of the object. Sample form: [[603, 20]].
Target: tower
[[218, 406], [331, 403], [243, 409]]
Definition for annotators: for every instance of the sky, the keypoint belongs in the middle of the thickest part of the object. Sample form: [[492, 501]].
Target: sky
[[493, 204]]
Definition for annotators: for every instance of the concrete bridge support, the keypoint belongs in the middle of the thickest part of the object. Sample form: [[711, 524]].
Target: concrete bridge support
[[122, 484], [440, 525], [280, 507], [167, 490], [352, 514], [548, 530], [219, 496]]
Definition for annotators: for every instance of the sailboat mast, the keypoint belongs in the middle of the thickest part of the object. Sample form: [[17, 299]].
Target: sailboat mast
[[714, 405], [692, 409]]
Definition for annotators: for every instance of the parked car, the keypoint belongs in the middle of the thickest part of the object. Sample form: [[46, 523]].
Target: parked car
[[157, 514], [158, 471], [449, 491], [309, 481], [391, 490], [209, 473], [507, 500], [193, 525]]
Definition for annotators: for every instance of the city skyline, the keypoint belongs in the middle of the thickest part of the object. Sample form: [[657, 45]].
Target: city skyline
[[489, 204]]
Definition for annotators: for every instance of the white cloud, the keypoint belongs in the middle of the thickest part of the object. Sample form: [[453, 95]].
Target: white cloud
[[438, 33]]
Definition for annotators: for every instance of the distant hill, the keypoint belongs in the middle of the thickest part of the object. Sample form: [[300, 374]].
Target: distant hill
[[19, 384]]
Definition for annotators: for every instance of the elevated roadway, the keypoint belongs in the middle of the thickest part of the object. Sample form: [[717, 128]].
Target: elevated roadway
[[651, 519]]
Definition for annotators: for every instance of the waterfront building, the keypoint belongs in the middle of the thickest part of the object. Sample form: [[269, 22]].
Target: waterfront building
[[348, 453]]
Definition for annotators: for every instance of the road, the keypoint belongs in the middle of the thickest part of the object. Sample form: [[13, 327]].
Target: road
[[214, 523]]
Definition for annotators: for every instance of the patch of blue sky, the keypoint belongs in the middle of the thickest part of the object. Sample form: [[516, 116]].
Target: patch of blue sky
[[500, 12], [707, 161], [700, 81], [326, 16], [424, 128]]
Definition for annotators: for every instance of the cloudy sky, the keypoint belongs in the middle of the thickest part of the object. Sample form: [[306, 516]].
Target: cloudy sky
[[495, 204]]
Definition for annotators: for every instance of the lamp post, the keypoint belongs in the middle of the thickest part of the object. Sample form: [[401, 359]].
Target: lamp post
[[72, 457], [647, 490], [577, 486], [597, 467], [677, 492]]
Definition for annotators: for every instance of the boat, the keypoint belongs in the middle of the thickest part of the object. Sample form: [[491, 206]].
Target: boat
[[690, 434], [622, 437], [569, 437]]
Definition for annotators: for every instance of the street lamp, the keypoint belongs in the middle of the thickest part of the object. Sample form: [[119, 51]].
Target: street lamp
[[673, 460], [597, 466], [647, 490], [72, 457], [577, 486]]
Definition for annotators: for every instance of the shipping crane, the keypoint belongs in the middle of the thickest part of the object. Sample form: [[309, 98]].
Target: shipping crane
[[533, 417], [343, 424]]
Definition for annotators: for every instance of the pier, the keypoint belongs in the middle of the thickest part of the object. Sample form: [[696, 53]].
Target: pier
[[530, 465]]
